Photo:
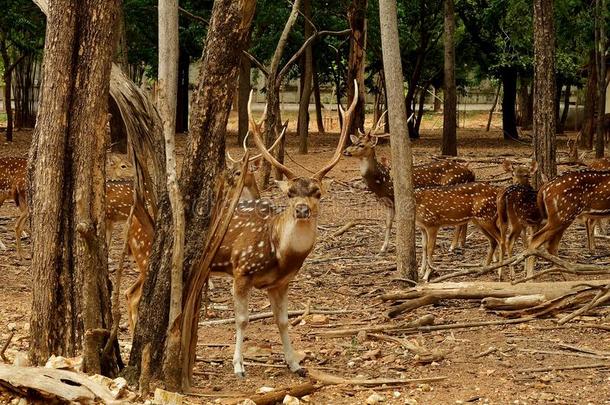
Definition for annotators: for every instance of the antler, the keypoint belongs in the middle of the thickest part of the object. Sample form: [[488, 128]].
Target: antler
[[347, 119], [256, 130], [378, 124]]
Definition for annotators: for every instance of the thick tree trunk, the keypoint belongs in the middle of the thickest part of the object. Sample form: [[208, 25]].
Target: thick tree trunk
[[306, 82], [71, 294], [25, 74], [449, 142], [509, 120], [242, 98], [316, 96], [182, 103], [588, 128], [402, 159], [600, 58], [544, 89], [355, 65], [203, 161]]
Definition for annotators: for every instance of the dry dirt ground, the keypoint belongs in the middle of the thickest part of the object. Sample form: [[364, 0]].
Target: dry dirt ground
[[346, 274]]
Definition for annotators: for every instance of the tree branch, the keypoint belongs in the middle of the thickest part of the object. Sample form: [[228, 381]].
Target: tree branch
[[193, 16], [306, 44], [256, 62]]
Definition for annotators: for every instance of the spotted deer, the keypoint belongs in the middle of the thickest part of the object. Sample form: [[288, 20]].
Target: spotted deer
[[454, 205], [517, 209], [377, 177], [583, 193], [265, 249], [592, 223]]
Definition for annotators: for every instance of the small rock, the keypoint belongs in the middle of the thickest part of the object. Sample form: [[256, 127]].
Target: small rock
[[306, 398], [545, 396], [247, 402], [64, 363], [318, 319], [21, 360], [264, 390], [351, 363], [290, 400], [163, 397], [375, 399], [371, 354], [410, 401], [12, 326], [26, 327], [19, 401], [424, 387], [396, 394], [361, 336]]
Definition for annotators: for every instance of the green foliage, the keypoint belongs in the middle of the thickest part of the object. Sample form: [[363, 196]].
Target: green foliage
[[22, 27]]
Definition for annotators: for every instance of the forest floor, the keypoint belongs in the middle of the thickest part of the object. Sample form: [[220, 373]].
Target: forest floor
[[347, 274]]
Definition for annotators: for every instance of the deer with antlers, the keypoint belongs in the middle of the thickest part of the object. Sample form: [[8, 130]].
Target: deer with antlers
[[517, 209], [377, 177], [584, 193], [265, 249]]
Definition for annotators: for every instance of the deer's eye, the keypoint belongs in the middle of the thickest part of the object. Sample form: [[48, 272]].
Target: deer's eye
[[238, 173]]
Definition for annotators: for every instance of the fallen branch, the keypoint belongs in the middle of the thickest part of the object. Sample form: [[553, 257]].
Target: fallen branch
[[5, 346], [329, 379], [560, 368], [278, 395], [424, 320], [298, 320], [264, 315], [344, 229]]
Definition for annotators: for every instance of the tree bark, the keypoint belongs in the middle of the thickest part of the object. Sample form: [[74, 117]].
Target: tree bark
[[449, 141], [204, 159], [544, 89], [524, 104], [402, 159], [600, 58], [356, 16], [306, 87], [509, 120], [242, 98], [8, 107], [70, 292], [591, 101]]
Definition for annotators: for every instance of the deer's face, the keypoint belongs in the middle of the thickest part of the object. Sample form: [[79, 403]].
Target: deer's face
[[234, 172], [520, 174], [362, 146], [118, 167], [303, 197]]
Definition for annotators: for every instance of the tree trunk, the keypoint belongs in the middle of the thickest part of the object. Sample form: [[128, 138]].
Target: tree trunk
[[182, 103], [524, 104], [402, 159], [600, 47], [449, 142], [242, 98], [566, 108], [70, 292], [509, 120], [316, 96], [120, 50], [558, 91], [588, 127], [544, 89], [25, 74], [306, 87], [204, 159], [356, 16], [437, 101], [8, 107], [420, 107], [493, 108]]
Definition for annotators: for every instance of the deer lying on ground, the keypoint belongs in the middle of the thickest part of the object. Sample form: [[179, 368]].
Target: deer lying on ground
[[517, 209], [583, 193], [455, 205], [377, 177], [266, 251]]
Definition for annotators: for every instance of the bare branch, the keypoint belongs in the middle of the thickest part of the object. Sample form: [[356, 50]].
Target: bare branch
[[193, 16], [256, 62], [306, 44]]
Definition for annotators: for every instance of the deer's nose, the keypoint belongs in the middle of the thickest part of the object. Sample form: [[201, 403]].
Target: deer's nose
[[302, 211]]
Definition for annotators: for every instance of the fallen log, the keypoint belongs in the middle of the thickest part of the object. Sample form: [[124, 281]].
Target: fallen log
[[330, 379], [518, 302], [276, 396], [422, 321]]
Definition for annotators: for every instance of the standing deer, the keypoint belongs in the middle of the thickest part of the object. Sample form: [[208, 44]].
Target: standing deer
[[377, 177], [579, 193], [517, 209], [265, 250], [590, 222], [455, 205]]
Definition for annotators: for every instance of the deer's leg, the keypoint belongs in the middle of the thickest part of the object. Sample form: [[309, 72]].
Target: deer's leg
[[429, 251], [109, 226], [278, 297], [424, 247], [19, 231], [553, 243], [132, 298], [241, 296], [388, 227]]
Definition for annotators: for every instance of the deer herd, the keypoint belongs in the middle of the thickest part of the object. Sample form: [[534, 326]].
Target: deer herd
[[265, 248]]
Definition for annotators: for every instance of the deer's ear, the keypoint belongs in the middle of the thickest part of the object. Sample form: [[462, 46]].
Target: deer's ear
[[353, 138], [545, 178], [374, 140], [283, 185], [533, 167], [255, 165], [325, 185], [507, 165]]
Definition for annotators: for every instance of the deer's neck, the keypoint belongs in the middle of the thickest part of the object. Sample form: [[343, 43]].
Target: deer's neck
[[248, 193], [294, 239], [368, 165]]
